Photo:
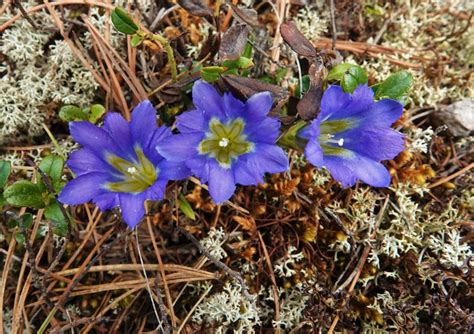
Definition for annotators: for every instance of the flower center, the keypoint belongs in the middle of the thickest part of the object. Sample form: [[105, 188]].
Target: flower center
[[225, 142], [135, 176], [328, 132]]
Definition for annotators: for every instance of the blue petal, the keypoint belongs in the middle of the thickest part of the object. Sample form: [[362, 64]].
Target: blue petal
[[83, 188], [157, 190], [340, 169], [314, 153], [191, 121], [333, 101], [159, 135], [143, 123], [371, 172], [170, 170], [180, 147], [94, 138], [106, 201], [271, 158], [246, 174], [347, 171], [133, 209], [305, 132], [233, 106], [377, 144], [383, 113], [258, 106], [208, 100], [266, 130], [84, 161], [267, 159], [119, 130], [221, 182], [347, 105], [199, 167]]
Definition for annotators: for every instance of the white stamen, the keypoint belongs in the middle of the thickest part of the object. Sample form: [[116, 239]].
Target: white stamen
[[224, 142], [340, 142], [131, 170]]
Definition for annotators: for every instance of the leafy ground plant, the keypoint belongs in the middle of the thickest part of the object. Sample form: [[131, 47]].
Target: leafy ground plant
[[235, 167]]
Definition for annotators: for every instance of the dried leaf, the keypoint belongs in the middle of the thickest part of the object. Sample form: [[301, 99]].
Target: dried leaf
[[246, 15], [308, 107], [248, 224], [296, 40], [246, 87], [195, 7], [233, 42], [210, 46]]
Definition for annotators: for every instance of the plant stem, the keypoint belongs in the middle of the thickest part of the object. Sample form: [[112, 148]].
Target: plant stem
[[169, 51]]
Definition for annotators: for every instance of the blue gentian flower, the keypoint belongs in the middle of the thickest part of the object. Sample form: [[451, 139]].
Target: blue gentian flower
[[352, 134], [118, 164], [225, 141]]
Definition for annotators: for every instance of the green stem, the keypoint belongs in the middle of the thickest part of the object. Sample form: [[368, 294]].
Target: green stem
[[46, 322], [55, 142], [169, 51], [290, 138]]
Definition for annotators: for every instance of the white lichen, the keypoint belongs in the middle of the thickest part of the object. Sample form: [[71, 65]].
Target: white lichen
[[214, 241], [313, 21], [293, 302], [285, 266], [419, 139], [230, 310]]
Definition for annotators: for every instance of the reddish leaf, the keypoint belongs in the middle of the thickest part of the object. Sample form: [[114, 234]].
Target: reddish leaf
[[246, 87], [233, 42], [309, 106], [246, 15], [296, 40], [196, 7]]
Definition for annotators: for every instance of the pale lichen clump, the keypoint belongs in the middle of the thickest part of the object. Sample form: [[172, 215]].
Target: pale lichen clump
[[285, 266], [420, 139], [293, 302], [427, 25], [214, 241], [406, 226], [43, 74], [313, 20], [201, 32], [229, 310]]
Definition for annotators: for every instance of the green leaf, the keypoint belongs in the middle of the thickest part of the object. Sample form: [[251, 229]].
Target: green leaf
[[5, 169], [211, 73], [248, 50], [24, 194], [70, 113], [375, 10], [186, 208], [26, 220], [354, 77], [54, 213], [123, 22], [12, 222], [53, 166], [136, 40], [337, 72], [280, 74], [96, 112], [241, 63], [306, 82], [20, 238], [396, 86]]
